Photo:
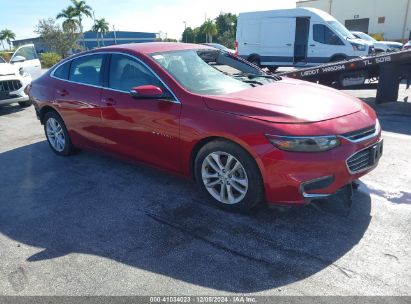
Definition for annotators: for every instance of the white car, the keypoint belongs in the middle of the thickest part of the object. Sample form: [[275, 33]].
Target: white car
[[17, 75], [380, 46]]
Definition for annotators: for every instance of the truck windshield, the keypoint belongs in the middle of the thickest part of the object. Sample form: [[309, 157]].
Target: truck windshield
[[341, 29], [208, 72]]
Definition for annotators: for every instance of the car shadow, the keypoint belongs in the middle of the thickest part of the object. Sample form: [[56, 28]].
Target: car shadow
[[9, 109], [158, 222]]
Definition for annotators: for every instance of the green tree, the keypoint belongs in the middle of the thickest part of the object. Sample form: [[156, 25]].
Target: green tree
[[226, 23], [226, 27], [100, 26], [199, 36], [69, 14], [209, 29], [61, 40], [7, 35], [188, 35]]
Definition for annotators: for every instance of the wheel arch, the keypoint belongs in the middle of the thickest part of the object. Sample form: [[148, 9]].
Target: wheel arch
[[338, 55], [205, 140], [44, 110]]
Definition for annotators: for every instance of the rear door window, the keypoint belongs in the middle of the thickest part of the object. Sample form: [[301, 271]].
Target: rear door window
[[87, 70]]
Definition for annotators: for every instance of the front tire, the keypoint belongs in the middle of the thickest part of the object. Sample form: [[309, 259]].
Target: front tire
[[57, 135], [229, 175]]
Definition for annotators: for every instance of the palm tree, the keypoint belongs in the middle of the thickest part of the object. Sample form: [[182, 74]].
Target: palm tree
[[7, 35], [100, 26], [2, 43], [81, 9], [69, 14], [210, 30]]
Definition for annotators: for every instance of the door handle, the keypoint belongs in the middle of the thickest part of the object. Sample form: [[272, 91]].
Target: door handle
[[108, 101], [62, 92]]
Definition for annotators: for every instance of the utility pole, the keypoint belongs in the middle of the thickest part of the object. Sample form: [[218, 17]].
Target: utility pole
[[185, 33], [115, 37], [404, 38]]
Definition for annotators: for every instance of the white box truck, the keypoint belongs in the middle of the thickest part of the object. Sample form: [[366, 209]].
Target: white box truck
[[295, 37]]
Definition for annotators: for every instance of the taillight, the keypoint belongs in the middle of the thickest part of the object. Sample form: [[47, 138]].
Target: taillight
[[236, 48]]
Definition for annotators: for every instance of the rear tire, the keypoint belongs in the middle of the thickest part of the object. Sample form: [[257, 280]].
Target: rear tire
[[254, 59], [25, 104], [272, 69], [57, 135], [229, 176]]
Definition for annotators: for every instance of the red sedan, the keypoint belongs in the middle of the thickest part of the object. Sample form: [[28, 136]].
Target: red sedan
[[243, 135]]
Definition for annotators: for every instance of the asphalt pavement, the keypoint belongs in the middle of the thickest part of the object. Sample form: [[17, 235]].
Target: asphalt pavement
[[90, 224]]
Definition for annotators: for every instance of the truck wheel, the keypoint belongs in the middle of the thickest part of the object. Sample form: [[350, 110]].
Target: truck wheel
[[254, 59], [229, 176], [272, 69]]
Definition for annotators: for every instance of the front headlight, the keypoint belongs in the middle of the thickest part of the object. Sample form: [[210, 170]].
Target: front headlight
[[304, 143], [359, 47], [377, 126], [23, 73]]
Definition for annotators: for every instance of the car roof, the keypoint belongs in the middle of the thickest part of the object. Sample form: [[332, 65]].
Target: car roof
[[155, 47]]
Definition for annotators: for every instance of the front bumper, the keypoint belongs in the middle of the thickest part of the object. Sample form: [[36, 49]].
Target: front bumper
[[292, 178], [8, 96]]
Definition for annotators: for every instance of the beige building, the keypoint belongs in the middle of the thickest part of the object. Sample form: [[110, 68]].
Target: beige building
[[392, 18]]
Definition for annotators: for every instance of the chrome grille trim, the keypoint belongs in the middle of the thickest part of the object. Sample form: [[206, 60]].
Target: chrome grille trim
[[363, 134], [7, 86], [364, 159]]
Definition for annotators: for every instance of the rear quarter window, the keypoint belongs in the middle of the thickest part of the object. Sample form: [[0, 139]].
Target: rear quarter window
[[62, 72]]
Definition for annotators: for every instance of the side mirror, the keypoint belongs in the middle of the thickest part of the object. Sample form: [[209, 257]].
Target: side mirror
[[18, 59], [147, 91]]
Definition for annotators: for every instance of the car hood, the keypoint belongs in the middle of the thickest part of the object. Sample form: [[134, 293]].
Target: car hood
[[392, 43], [360, 41], [287, 101], [7, 69]]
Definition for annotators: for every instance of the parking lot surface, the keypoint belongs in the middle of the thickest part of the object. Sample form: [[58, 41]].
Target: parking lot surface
[[90, 224]]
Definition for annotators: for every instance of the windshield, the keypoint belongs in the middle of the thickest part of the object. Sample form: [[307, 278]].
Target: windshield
[[210, 72], [365, 36], [341, 29]]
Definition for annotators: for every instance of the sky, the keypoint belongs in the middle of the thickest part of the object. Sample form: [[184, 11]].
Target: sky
[[167, 17]]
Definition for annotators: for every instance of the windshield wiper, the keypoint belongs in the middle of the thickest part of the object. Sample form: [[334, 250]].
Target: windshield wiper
[[252, 76], [244, 78]]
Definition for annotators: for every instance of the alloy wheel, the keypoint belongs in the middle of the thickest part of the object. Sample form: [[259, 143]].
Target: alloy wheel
[[55, 134], [224, 177]]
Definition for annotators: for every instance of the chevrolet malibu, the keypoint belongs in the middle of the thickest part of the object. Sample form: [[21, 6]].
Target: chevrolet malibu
[[244, 136]]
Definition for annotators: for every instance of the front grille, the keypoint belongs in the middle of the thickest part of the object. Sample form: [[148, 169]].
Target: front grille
[[360, 134], [365, 159], [7, 86]]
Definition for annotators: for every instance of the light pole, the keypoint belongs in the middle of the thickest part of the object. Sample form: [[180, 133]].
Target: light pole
[[185, 28]]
